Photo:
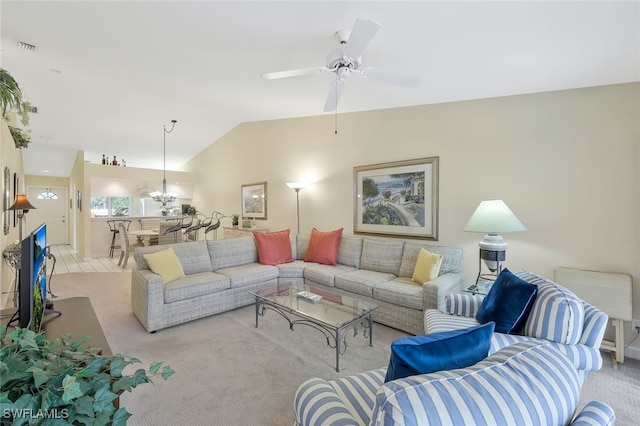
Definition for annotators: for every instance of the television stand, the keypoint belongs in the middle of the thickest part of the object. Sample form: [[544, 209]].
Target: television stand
[[79, 319], [47, 312]]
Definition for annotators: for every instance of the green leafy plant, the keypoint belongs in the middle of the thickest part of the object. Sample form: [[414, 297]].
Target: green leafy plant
[[11, 99], [191, 211], [235, 219], [63, 382]]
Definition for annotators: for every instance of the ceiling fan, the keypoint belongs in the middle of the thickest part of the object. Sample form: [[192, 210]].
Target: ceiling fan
[[346, 61]]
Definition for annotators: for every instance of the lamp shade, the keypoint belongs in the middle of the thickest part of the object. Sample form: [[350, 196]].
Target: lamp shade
[[296, 185], [493, 217], [21, 203]]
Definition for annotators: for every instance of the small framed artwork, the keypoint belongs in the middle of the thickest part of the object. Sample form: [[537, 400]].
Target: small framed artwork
[[254, 200], [397, 199]]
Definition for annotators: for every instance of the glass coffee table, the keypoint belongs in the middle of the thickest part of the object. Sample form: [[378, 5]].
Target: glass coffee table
[[330, 313]]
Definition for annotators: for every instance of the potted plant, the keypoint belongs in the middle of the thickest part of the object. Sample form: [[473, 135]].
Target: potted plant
[[191, 211], [235, 219], [63, 381], [11, 99]]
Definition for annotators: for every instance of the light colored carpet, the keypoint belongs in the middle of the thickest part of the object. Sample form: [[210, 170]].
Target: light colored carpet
[[228, 372]]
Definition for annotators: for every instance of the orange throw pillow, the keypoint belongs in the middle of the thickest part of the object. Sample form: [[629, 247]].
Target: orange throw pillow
[[323, 247], [273, 247]]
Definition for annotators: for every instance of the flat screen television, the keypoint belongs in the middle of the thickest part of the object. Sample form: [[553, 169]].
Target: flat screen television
[[32, 291]]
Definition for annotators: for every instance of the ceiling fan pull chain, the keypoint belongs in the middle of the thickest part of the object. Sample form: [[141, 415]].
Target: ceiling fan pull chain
[[335, 132]]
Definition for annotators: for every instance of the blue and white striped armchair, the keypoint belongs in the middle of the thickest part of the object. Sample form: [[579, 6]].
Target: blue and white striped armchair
[[558, 316], [529, 383]]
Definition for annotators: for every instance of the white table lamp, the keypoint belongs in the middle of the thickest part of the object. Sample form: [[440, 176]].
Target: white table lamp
[[493, 217]]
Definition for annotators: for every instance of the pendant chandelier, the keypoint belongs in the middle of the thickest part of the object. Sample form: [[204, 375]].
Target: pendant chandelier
[[164, 197]]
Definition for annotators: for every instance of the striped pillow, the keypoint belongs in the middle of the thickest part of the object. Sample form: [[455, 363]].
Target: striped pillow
[[557, 314]]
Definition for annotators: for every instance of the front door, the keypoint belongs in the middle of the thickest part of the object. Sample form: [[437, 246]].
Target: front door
[[50, 207]]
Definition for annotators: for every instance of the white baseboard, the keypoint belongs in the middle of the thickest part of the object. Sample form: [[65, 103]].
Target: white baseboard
[[632, 352]]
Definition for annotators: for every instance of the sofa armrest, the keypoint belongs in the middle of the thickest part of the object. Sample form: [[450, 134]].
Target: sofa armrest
[[434, 291], [595, 323], [595, 413], [147, 297], [462, 304], [316, 402]]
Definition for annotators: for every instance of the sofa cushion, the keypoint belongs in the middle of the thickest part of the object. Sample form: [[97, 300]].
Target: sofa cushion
[[195, 285], [193, 256], [361, 281], [381, 255], [293, 269], [252, 273], [325, 274], [323, 247], [293, 240], [350, 251], [427, 266], [508, 303], [273, 247], [400, 291], [302, 244], [448, 350], [232, 252], [451, 257], [166, 264], [557, 314]]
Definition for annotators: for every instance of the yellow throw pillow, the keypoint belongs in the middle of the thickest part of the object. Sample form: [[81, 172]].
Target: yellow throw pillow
[[166, 264], [427, 266]]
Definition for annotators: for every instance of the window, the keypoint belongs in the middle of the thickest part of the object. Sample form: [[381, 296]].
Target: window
[[47, 195], [110, 206]]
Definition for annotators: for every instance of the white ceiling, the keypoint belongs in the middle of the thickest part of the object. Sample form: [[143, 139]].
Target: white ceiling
[[106, 76]]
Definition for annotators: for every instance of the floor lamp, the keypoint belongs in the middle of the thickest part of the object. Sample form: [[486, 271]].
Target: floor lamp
[[493, 217], [297, 186], [22, 205]]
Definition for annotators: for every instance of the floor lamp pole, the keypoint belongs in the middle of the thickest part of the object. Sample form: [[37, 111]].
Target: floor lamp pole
[[298, 207], [297, 186]]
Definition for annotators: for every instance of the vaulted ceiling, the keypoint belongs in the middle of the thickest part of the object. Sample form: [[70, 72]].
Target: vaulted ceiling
[[107, 75]]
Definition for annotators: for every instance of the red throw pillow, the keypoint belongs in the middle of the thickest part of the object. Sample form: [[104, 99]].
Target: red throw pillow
[[273, 247], [323, 247]]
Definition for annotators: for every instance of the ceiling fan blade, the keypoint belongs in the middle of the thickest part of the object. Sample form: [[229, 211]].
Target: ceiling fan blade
[[334, 95], [293, 73], [399, 79], [361, 35]]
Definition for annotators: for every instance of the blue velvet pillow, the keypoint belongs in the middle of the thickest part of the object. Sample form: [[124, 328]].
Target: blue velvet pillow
[[433, 352], [508, 303]]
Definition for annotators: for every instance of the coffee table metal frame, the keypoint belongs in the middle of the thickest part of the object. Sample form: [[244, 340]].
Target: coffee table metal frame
[[336, 335]]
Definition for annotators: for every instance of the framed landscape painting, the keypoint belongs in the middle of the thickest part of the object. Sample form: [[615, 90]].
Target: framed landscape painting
[[254, 200], [397, 199]]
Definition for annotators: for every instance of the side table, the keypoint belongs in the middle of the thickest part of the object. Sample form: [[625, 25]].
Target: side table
[[482, 288]]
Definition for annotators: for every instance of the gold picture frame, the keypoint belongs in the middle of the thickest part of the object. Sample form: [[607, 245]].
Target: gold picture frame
[[397, 199]]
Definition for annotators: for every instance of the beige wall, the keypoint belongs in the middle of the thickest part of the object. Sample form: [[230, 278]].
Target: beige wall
[[567, 163], [10, 157]]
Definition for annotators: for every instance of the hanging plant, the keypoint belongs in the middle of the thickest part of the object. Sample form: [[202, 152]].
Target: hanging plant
[[11, 99], [20, 137]]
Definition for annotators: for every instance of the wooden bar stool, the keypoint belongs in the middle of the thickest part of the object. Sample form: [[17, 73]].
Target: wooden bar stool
[[113, 227]]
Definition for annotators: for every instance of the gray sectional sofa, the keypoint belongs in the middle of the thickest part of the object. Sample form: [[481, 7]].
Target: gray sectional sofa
[[220, 274]]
